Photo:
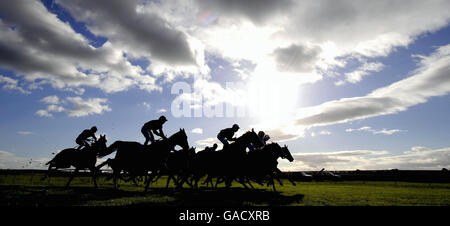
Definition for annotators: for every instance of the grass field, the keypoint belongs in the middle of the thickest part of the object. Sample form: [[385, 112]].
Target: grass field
[[29, 190]]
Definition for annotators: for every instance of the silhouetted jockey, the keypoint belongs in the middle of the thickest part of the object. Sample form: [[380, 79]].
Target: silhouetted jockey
[[82, 139], [263, 137], [154, 126], [227, 134], [211, 149]]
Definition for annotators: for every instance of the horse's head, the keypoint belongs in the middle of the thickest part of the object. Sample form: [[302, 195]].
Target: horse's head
[[180, 138], [100, 146], [286, 154], [251, 137]]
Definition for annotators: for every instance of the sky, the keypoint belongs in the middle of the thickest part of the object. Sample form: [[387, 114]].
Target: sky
[[344, 84]]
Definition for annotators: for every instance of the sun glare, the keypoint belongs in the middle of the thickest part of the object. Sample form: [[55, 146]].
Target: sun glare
[[272, 97]]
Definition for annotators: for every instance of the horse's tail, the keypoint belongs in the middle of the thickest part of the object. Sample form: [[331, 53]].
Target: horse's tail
[[112, 148]]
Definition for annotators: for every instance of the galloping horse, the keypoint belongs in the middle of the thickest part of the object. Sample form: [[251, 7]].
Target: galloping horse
[[178, 163], [262, 164], [80, 159], [137, 159], [226, 164]]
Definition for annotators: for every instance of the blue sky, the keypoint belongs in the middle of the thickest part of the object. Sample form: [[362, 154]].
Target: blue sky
[[359, 85]]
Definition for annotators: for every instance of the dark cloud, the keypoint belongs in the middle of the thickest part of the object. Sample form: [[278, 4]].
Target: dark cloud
[[42, 33], [351, 109], [258, 11], [142, 32], [296, 58], [25, 61], [37, 45]]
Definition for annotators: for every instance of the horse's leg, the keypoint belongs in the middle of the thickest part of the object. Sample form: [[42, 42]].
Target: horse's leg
[[72, 176], [289, 177], [94, 176], [108, 161], [207, 180], [279, 181], [269, 182], [185, 179], [273, 184], [47, 174], [134, 181], [158, 175], [229, 181], [197, 179], [168, 180], [249, 183], [243, 183], [149, 180], [177, 180], [147, 183], [218, 181], [116, 175]]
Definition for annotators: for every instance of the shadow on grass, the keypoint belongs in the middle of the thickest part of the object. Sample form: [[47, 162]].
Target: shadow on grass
[[74, 196]]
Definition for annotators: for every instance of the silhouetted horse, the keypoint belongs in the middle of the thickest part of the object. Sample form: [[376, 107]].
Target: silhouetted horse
[[137, 159], [262, 164], [80, 159], [226, 164], [177, 167]]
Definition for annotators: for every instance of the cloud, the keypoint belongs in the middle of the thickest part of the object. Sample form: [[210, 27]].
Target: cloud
[[371, 29], [208, 142], [40, 47], [429, 80], [290, 36], [127, 25], [418, 158], [55, 108], [80, 107], [296, 58], [139, 30], [12, 84], [253, 30], [323, 132], [43, 113], [174, 37], [387, 132], [25, 132], [315, 36], [206, 93], [87, 107], [162, 110], [357, 75], [197, 130], [146, 105], [369, 129], [258, 11], [50, 99], [9, 160]]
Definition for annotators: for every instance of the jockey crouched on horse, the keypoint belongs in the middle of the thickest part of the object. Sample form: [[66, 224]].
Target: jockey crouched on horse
[[227, 134], [154, 126], [263, 137], [83, 139], [211, 149]]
